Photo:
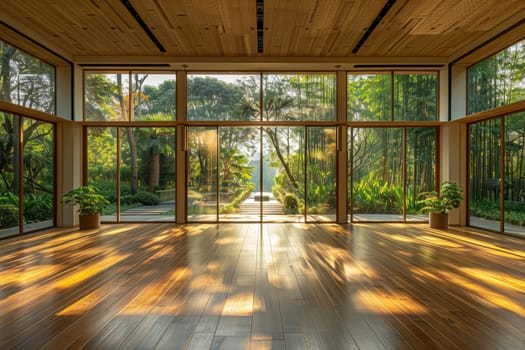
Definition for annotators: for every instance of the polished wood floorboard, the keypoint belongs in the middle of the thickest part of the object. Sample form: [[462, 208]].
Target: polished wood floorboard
[[262, 286]]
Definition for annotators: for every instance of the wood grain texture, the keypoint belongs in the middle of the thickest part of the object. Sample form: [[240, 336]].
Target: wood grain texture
[[262, 286], [292, 28]]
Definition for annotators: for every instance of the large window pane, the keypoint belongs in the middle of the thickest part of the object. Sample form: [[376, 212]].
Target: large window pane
[[515, 174], [420, 169], [223, 97], [106, 96], [239, 159], [9, 174], [26, 80], [102, 167], [485, 174], [377, 172], [39, 161], [370, 97], [321, 174], [153, 96], [415, 96], [202, 174], [147, 174], [283, 192], [497, 80], [299, 97]]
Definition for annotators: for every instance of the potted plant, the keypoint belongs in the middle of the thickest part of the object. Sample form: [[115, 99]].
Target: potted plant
[[90, 204], [439, 204]]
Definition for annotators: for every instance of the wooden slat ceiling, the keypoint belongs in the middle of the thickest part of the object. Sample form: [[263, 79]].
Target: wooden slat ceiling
[[292, 28]]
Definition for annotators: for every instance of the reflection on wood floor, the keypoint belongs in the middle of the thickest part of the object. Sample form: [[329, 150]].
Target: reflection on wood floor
[[262, 286]]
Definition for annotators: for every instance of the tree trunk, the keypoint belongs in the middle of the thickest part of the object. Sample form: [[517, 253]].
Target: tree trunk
[[133, 152], [275, 141], [154, 167]]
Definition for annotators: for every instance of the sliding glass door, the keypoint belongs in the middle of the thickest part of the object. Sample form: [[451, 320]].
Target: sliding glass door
[[271, 174]]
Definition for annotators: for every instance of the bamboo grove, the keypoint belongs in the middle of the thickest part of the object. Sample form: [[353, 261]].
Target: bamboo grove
[[497, 146]]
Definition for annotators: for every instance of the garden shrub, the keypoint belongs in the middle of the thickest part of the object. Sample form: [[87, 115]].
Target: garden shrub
[[38, 207], [291, 204], [229, 209], [147, 198], [8, 215]]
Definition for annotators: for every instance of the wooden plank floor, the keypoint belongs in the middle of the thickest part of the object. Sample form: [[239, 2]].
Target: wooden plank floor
[[262, 286]]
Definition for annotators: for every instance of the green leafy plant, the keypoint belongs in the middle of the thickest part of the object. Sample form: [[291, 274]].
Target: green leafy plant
[[147, 198], [8, 210], [291, 204], [87, 198], [449, 197]]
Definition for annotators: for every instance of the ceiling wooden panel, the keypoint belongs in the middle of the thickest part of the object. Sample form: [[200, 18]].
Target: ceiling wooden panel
[[292, 28]]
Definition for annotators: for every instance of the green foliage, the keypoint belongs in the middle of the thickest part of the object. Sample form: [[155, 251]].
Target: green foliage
[[229, 209], [108, 189], [26, 80], [490, 210], [241, 197], [147, 198], [87, 198], [141, 197], [291, 204], [497, 80], [9, 212], [375, 197], [38, 207], [449, 197], [8, 215]]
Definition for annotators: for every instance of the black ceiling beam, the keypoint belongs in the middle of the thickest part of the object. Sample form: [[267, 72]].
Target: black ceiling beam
[[259, 13], [143, 24], [374, 24]]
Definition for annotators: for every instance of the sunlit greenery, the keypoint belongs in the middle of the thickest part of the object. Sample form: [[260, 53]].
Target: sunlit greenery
[[25, 80], [146, 171], [486, 170], [27, 146], [497, 80], [377, 170], [37, 149], [497, 146], [107, 96], [392, 96]]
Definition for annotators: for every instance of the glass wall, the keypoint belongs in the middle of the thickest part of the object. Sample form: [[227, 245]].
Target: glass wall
[[299, 97], [221, 97], [283, 196], [239, 173], [485, 174], [27, 187], [376, 168], [497, 80], [239, 180], [420, 169], [102, 167], [415, 96], [392, 96], [39, 174], [25, 80], [153, 96], [134, 168], [497, 151], [107, 96], [202, 174], [321, 173], [9, 174], [389, 169], [514, 170], [369, 96], [269, 173]]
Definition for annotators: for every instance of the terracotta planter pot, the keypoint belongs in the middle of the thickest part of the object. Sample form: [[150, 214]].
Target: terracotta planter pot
[[438, 220], [89, 221]]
